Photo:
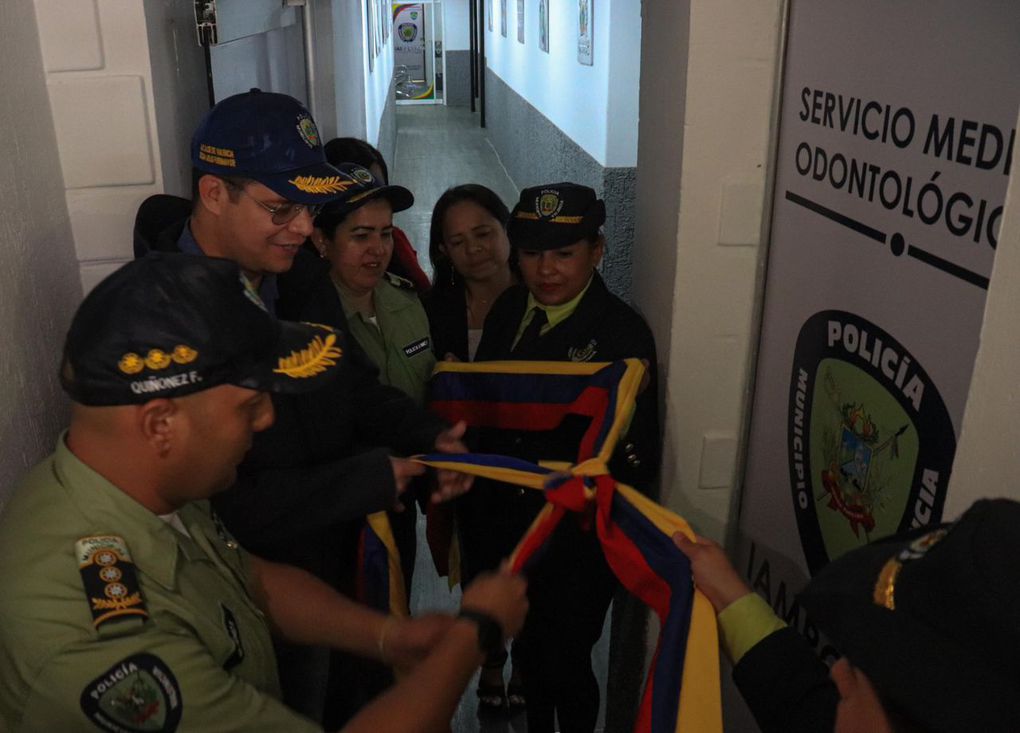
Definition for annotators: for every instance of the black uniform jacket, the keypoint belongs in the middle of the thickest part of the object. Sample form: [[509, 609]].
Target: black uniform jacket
[[447, 312], [602, 328], [786, 685], [325, 460]]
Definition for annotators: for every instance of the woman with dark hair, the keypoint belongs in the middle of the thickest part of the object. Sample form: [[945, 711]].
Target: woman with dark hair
[[472, 265], [404, 262]]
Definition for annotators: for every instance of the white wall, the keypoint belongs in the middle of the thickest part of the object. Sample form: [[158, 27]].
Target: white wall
[[987, 457], [457, 25], [39, 285], [576, 98], [377, 86], [361, 95], [728, 77], [99, 73]]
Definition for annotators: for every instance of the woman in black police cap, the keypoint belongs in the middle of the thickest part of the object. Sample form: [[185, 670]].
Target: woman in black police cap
[[562, 311]]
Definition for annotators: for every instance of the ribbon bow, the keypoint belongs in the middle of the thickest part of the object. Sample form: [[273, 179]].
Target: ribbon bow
[[635, 532]]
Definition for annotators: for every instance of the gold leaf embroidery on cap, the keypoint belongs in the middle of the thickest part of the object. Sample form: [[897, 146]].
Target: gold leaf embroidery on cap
[[884, 593], [318, 185], [885, 588], [314, 359], [131, 363]]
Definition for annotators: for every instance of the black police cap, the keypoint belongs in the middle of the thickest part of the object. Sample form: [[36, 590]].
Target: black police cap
[[555, 215], [933, 618], [169, 325]]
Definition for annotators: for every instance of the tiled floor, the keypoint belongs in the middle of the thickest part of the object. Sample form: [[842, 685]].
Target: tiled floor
[[439, 147]]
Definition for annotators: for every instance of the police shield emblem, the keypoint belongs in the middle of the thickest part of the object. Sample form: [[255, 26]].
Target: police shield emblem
[[870, 441]]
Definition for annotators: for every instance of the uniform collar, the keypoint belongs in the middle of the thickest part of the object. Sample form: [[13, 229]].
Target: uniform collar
[[152, 543], [268, 290], [558, 313]]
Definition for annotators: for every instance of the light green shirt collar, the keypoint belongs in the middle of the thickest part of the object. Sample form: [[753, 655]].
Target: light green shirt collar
[[555, 314]]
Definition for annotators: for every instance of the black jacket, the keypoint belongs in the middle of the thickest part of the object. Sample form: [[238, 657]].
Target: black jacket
[[325, 460], [786, 685], [602, 328], [447, 313]]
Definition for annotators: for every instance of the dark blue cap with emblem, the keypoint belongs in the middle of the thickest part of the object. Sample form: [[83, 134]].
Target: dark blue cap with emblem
[[269, 138], [555, 215]]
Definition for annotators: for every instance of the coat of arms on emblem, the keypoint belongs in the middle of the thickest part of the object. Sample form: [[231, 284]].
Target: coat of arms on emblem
[[548, 204], [853, 477]]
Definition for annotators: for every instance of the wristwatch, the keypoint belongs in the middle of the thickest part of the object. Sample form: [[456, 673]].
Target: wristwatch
[[490, 633]]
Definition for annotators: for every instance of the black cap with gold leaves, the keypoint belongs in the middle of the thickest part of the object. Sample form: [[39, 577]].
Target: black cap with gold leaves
[[933, 619], [555, 215], [168, 325]]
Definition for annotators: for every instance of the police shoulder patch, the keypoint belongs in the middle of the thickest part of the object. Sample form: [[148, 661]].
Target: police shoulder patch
[[138, 693], [109, 578]]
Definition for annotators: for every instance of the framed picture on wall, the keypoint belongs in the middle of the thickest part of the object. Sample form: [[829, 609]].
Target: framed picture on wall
[[585, 31], [520, 21], [543, 25], [488, 11], [370, 45], [387, 18], [502, 17]]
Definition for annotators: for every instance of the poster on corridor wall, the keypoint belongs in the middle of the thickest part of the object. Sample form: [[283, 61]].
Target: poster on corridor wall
[[895, 149], [520, 21], [409, 39], [585, 31], [543, 25]]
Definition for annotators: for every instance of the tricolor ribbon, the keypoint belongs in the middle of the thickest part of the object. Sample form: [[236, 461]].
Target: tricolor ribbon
[[682, 688]]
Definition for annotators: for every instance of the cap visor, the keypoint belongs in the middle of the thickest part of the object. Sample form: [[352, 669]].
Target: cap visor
[[304, 358], [399, 197], [314, 184]]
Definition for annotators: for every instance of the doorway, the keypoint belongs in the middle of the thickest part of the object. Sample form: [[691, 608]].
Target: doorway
[[419, 62]]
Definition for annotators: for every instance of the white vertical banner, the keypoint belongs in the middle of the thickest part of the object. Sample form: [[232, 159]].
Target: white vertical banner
[[895, 147], [409, 39]]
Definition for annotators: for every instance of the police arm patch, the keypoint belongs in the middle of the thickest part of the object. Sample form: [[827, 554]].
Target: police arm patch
[[109, 578], [138, 693]]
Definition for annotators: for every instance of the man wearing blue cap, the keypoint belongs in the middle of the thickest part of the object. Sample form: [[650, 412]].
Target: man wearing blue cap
[[126, 604], [259, 177]]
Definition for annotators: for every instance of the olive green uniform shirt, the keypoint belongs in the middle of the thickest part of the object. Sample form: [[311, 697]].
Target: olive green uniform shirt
[[400, 345], [114, 620]]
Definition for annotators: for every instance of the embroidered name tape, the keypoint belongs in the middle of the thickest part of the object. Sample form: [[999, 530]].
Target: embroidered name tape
[[416, 347]]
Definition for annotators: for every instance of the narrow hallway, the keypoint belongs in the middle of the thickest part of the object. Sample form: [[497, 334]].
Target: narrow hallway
[[439, 147]]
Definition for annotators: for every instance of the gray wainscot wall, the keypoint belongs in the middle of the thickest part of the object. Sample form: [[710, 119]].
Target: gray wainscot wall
[[535, 151], [458, 78], [387, 142]]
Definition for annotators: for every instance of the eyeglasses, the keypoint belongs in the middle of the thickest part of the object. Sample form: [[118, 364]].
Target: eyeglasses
[[283, 213]]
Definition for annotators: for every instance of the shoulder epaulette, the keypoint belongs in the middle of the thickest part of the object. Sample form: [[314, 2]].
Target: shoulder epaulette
[[399, 282], [109, 579]]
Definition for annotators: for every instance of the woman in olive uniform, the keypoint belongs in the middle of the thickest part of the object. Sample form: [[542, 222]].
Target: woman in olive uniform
[[355, 234], [562, 312]]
